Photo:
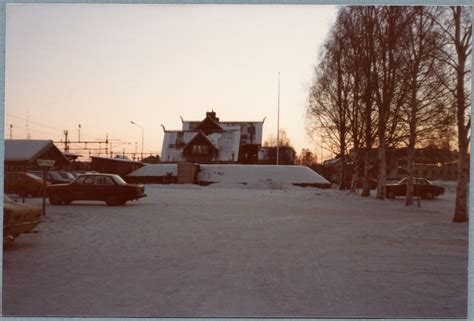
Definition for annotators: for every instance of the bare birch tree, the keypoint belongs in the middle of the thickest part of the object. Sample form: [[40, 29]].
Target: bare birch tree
[[426, 101]]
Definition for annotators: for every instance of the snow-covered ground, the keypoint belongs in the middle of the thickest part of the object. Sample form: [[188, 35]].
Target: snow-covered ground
[[267, 249]]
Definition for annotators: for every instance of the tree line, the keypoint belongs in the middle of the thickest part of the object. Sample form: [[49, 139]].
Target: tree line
[[393, 76]]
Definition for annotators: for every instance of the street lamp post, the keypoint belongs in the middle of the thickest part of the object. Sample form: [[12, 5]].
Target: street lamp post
[[143, 134], [278, 123]]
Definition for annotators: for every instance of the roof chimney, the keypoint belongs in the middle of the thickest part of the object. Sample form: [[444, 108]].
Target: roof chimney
[[212, 115]]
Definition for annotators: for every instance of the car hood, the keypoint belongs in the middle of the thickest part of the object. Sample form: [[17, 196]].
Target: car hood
[[22, 208]]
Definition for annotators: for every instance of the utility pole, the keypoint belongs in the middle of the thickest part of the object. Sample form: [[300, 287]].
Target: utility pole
[[79, 130], [278, 123], [143, 134], [66, 147], [86, 143], [11, 131], [26, 125], [106, 144]]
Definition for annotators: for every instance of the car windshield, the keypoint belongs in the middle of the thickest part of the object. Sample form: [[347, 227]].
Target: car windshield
[[423, 181], [419, 181], [119, 180], [66, 175], [78, 178], [55, 175], [7, 199], [403, 182]]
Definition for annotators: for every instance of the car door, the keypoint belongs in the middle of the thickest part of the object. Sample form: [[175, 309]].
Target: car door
[[422, 186], [402, 188], [84, 188], [9, 183], [104, 187]]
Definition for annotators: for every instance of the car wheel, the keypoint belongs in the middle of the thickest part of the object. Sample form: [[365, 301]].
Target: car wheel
[[428, 196], [67, 202], [391, 195], [113, 201], [55, 199]]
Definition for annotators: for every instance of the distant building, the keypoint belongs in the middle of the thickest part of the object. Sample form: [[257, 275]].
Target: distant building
[[213, 141], [267, 155], [430, 162], [119, 166], [151, 159]]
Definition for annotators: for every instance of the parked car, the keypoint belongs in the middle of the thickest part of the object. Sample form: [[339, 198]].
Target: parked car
[[109, 188], [360, 183], [77, 173], [52, 176], [19, 218], [421, 187], [23, 184]]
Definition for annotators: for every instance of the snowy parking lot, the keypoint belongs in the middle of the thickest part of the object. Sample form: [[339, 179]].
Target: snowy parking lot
[[233, 250]]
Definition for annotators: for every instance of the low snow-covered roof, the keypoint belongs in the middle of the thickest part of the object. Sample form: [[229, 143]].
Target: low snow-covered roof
[[156, 170], [250, 174], [254, 173], [24, 149]]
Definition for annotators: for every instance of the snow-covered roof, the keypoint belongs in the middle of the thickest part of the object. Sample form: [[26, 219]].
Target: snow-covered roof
[[115, 159], [156, 170], [254, 173], [251, 131], [173, 143], [24, 149], [250, 174], [227, 144], [27, 151]]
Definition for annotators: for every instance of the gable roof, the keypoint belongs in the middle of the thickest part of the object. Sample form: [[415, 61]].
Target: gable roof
[[200, 134], [209, 125], [27, 151]]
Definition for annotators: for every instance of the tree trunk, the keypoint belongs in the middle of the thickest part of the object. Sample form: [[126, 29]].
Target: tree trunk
[[460, 211], [381, 188], [355, 171], [412, 141], [382, 177], [411, 171], [366, 188]]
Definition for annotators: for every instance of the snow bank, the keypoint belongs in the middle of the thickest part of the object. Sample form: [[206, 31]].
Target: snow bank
[[259, 174]]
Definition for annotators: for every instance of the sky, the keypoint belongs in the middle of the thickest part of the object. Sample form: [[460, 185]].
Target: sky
[[102, 66]]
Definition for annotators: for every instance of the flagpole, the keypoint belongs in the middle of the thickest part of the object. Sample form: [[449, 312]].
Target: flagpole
[[278, 123]]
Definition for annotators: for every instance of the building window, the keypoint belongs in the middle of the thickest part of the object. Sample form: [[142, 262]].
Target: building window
[[200, 150]]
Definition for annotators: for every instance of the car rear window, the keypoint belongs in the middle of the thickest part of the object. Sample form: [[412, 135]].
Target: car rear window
[[119, 180], [104, 180]]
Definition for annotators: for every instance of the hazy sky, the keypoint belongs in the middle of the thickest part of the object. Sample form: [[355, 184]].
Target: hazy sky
[[102, 66]]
